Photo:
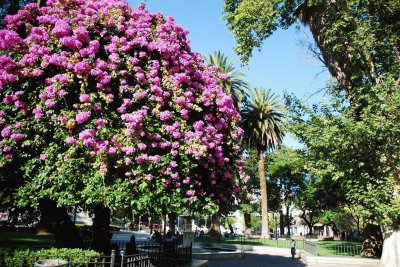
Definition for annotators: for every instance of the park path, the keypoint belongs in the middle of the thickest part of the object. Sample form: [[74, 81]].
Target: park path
[[266, 257]]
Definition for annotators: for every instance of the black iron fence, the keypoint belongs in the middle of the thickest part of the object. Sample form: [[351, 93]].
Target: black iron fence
[[311, 247], [329, 248], [272, 242], [148, 254]]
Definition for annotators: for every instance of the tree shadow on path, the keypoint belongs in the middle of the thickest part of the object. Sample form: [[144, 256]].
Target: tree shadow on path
[[258, 260]]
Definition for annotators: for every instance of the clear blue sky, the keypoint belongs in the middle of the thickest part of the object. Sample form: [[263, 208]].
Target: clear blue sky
[[282, 65]]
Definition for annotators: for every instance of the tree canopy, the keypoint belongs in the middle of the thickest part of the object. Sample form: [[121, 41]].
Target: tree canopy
[[106, 103], [358, 41]]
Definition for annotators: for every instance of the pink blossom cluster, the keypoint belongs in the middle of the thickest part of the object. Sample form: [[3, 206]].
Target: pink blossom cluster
[[121, 83]]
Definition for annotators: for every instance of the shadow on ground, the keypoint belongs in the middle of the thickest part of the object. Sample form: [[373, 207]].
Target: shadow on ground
[[257, 260]]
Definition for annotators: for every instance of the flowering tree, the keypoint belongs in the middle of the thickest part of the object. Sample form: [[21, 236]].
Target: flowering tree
[[106, 103]]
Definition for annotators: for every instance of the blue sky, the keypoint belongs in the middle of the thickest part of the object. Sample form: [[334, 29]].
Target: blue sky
[[282, 65]]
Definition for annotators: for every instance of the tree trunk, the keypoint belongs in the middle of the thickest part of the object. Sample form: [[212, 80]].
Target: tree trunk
[[263, 189], [215, 231], [309, 223], [391, 252], [101, 229], [171, 222], [373, 243], [56, 219], [337, 63], [288, 219], [247, 224], [281, 223]]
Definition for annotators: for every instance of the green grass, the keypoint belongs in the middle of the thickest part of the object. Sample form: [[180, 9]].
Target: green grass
[[339, 248], [324, 248], [280, 243], [25, 240]]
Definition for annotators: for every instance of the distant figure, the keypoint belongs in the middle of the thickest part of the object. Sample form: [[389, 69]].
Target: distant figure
[[156, 236], [196, 232], [293, 248], [131, 246], [201, 233]]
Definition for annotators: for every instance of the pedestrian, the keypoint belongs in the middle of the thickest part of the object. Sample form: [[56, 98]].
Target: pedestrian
[[293, 248]]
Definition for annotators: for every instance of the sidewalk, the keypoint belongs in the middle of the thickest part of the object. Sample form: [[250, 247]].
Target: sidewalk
[[270, 257]]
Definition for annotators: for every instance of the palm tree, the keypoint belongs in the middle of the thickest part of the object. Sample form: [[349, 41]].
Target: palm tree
[[233, 85], [262, 122]]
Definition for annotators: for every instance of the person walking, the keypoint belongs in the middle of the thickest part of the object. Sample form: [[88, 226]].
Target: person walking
[[293, 248]]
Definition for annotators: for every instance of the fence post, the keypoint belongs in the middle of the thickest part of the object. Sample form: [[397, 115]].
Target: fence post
[[122, 257], [112, 258]]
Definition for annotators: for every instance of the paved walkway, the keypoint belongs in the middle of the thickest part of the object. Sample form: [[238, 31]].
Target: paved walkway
[[258, 260], [260, 257]]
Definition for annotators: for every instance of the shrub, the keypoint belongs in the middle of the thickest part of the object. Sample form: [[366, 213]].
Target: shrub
[[18, 257]]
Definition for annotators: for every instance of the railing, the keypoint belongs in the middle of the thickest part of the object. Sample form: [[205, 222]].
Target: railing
[[279, 243], [311, 247], [167, 254], [351, 250]]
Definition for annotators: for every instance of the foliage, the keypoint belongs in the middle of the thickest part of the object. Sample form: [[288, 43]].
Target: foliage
[[359, 154], [75, 256], [255, 222], [358, 41], [230, 79], [286, 170], [105, 103], [262, 122]]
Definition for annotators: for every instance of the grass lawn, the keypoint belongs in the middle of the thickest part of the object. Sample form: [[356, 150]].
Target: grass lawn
[[25, 240], [324, 248], [280, 243], [339, 248]]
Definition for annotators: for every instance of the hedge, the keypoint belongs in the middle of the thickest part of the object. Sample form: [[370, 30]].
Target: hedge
[[27, 257]]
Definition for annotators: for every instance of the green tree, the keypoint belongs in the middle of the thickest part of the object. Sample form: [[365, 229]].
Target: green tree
[[250, 203], [262, 122], [230, 79], [286, 167], [357, 152], [91, 118], [358, 41]]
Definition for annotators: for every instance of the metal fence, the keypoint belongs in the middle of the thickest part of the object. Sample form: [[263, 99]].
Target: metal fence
[[351, 250], [329, 249], [311, 247], [167, 254], [273, 242]]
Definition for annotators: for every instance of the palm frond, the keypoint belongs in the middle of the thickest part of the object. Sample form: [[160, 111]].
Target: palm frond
[[262, 120]]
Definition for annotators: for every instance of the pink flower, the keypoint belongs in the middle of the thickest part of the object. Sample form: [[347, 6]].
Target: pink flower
[[96, 107], [84, 98], [112, 150], [71, 141], [100, 122], [6, 131], [82, 68], [6, 149], [17, 137], [82, 116], [165, 115], [141, 146], [42, 157], [62, 28]]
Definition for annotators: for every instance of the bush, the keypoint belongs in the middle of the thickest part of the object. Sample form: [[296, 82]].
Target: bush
[[18, 257]]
